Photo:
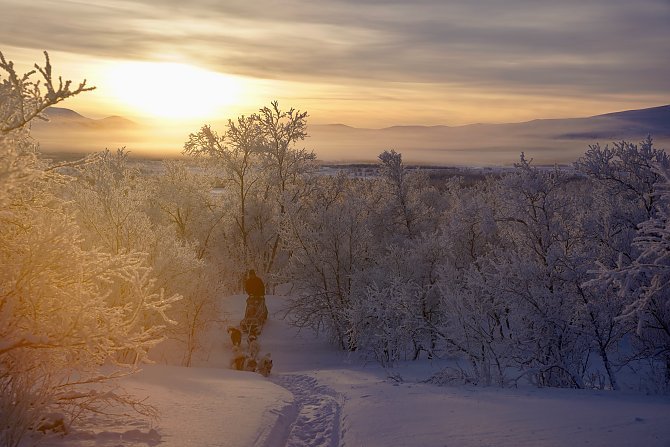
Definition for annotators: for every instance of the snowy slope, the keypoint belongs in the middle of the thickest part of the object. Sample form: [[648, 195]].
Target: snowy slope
[[318, 396]]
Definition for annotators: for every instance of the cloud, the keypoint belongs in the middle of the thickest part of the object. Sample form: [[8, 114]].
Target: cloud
[[600, 47]]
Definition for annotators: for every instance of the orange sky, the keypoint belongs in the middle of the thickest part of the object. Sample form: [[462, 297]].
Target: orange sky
[[362, 63]]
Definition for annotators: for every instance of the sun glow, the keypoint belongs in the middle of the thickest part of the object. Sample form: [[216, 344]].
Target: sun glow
[[172, 90]]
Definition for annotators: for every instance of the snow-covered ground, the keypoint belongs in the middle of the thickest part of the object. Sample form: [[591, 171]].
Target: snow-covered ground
[[318, 396]]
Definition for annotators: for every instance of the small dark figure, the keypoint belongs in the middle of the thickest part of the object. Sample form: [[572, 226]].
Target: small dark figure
[[239, 359], [235, 335], [250, 364], [254, 346], [256, 312], [254, 285], [265, 365], [52, 422]]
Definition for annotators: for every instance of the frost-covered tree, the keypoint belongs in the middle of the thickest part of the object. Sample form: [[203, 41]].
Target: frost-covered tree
[[402, 212], [171, 218], [644, 284], [23, 98], [516, 303], [237, 155], [384, 320], [184, 199], [351, 257], [285, 163], [329, 243], [403, 225], [260, 171], [468, 226], [408, 202], [628, 172], [396, 311], [474, 318], [622, 183], [110, 199], [282, 130], [67, 308], [186, 217]]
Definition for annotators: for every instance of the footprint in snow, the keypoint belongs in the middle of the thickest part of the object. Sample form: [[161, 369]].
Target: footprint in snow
[[315, 411]]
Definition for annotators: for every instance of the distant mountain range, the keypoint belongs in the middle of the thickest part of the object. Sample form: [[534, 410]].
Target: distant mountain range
[[67, 132], [655, 120], [71, 120], [544, 140]]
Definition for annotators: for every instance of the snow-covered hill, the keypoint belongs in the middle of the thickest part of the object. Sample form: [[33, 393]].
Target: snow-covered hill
[[318, 396]]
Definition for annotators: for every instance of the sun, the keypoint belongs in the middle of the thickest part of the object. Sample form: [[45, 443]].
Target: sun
[[172, 90]]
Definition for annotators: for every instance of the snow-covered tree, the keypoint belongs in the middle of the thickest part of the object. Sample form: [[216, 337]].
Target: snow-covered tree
[[286, 165], [628, 171], [395, 302], [171, 218], [282, 130], [186, 219], [384, 321], [407, 211], [184, 199], [110, 199], [329, 242], [351, 256], [237, 157], [516, 304], [644, 284], [67, 308], [622, 183], [23, 98], [260, 171]]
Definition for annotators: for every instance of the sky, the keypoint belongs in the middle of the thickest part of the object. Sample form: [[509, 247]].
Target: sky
[[365, 63]]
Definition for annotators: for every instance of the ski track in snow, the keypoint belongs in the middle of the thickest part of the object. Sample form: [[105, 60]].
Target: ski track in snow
[[314, 417]]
